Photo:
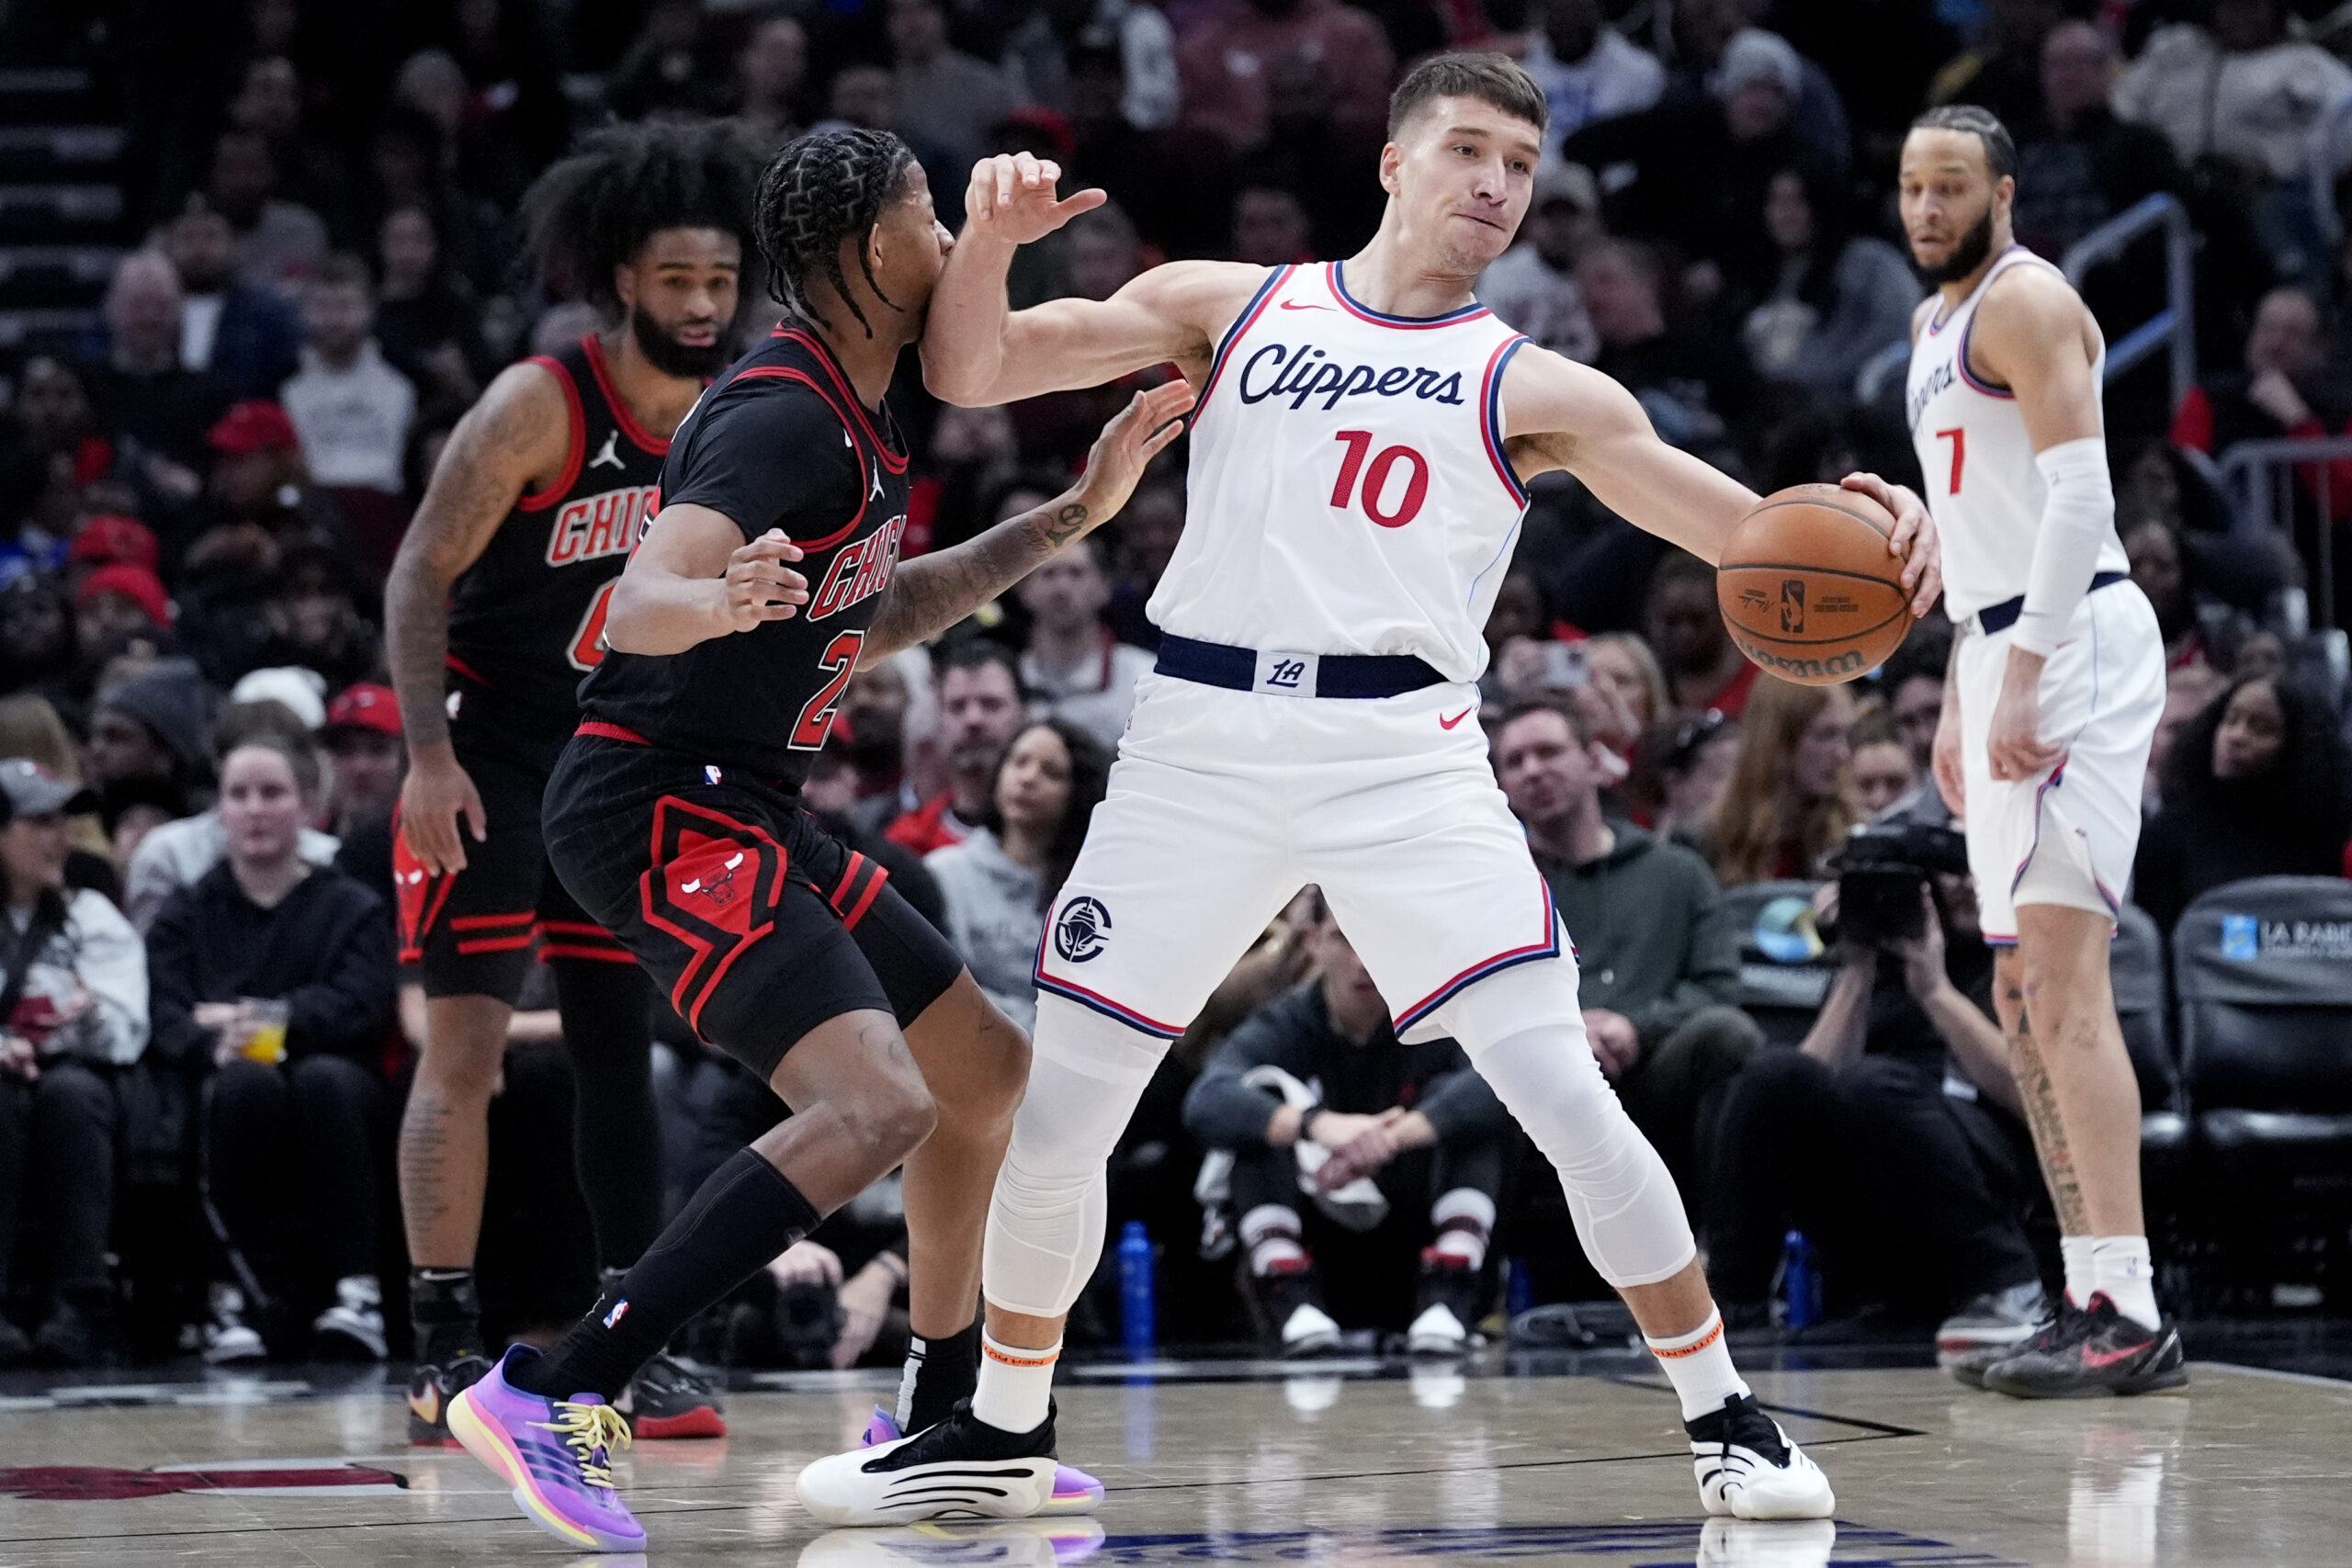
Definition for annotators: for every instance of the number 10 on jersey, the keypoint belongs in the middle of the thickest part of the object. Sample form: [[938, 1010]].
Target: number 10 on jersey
[[1377, 475]]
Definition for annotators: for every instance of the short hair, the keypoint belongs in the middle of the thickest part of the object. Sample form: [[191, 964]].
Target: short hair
[[340, 269], [2000, 148], [1678, 567], [1922, 655], [1528, 708], [594, 211], [823, 189], [1877, 728], [978, 653], [301, 758], [1495, 79]]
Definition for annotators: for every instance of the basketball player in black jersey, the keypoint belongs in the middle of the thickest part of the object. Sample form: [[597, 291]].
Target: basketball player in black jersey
[[493, 612], [770, 575]]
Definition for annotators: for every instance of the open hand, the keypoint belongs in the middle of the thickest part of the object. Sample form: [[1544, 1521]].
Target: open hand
[[1140, 432], [2016, 747], [1012, 198], [1914, 539], [760, 587]]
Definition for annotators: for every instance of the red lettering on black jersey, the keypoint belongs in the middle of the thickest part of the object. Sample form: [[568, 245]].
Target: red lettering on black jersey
[[860, 571], [595, 527]]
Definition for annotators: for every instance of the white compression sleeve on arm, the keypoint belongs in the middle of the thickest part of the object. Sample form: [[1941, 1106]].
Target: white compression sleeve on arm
[[2076, 519]]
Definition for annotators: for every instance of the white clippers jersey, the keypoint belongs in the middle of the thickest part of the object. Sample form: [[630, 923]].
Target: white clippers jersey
[[1982, 486], [1349, 490]]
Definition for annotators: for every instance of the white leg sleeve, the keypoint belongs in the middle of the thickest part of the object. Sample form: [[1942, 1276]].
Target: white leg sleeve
[[1044, 1235], [1525, 1035]]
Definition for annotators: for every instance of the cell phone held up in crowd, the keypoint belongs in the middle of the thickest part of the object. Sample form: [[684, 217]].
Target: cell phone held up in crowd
[[1565, 666], [1881, 871]]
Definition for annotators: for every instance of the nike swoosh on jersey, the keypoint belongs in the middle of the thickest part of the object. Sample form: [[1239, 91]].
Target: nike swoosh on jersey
[[1294, 305], [1445, 723]]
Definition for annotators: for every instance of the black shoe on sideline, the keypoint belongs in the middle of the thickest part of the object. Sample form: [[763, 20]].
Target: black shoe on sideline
[[2105, 1353]]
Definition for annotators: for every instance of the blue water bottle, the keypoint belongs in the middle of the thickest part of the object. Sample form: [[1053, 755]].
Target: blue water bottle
[[1135, 1301], [1800, 1281]]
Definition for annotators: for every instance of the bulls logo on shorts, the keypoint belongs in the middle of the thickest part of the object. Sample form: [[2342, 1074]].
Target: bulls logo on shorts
[[713, 885], [1083, 931]]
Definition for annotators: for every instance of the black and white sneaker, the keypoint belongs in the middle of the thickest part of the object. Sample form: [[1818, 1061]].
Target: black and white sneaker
[[1991, 1328], [1748, 1468], [961, 1469]]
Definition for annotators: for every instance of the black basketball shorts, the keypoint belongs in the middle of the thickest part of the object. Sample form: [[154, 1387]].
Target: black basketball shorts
[[757, 924], [470, 933]]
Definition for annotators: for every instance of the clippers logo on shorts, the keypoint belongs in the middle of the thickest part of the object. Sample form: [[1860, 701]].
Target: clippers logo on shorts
[[861, 571], [596, 526], [1083, 931], [1793, 604]]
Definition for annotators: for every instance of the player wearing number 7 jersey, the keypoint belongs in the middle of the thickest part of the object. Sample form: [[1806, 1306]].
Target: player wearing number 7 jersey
[[1360, 452]]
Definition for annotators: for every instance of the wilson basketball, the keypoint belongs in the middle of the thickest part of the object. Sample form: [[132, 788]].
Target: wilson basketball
[[1808, 589]]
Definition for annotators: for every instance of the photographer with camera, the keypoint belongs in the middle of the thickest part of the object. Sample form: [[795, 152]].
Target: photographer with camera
[[1892, 1134]]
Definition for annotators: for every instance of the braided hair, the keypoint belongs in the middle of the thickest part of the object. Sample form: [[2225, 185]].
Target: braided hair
[[823, 189], [593, 212]]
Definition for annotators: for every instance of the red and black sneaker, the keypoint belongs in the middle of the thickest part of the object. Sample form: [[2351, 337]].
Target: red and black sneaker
[[430, 1390], [2097, 1350], [664, 1400]]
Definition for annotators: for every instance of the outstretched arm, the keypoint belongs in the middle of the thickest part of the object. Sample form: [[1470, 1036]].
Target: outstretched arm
[[932, 592], [978, 351], [1560, 414]]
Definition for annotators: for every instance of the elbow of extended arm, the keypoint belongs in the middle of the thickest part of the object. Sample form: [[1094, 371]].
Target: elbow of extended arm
[[952, 378], [625, 617]]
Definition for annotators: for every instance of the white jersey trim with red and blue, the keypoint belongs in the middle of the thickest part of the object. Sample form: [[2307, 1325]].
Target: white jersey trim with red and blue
[[1070, 991], [1363, 312], [1241, 324], [1547, 948]]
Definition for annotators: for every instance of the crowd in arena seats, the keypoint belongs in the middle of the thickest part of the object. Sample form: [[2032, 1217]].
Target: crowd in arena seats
[[204, 1041]]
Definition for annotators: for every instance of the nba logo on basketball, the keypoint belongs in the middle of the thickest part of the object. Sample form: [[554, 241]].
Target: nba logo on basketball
[[1793, 603]]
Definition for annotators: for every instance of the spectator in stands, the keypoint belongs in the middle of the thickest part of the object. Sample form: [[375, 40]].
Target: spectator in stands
[[179, 853], [1073, 667], [277, 240], [2241, 96], [1688, 385], [1228, 60], [998, 884], [407, 162], [1400, 1149], [1703, 671], [1271, 226], [269, 102], [1623, 664], [427, 323], [980, 710], [37, 647], [243, 335], [362, 738], [311, 621], [1655, 948], [278, 975], [2257, 784], [118, 600], [944, 96], [140, 391], [2286, 388], [1703, 31], [471, 147], [1041, 54], [1914, 1191], [50, 449], [30, 728], [1587, 69], [1789, 801], [668, 68], [351, 410], [73, 1009], [770, 75], [1150, 527], [1105, 253], [2077, 164], [1884, 771], [2188, 689], [152, 727], [1533, 285], [1913, 682], [2002, 70], [1831, 300]]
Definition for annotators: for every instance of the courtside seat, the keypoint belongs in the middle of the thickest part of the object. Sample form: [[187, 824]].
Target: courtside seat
[[2136, 965], [2264, 972], [1784, 971]]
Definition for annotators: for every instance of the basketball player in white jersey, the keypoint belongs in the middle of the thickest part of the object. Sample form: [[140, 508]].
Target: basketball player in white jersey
[[1363, 437], [2050, 705]]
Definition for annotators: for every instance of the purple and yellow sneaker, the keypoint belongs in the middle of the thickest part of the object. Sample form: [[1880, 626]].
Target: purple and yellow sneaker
[[555, 1453], [1075, 1491]]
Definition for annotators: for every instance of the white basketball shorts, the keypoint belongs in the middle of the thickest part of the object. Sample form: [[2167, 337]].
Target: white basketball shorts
[[1222, 804], [2067, 835]]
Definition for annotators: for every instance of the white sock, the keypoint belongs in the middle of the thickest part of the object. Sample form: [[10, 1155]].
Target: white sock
[[2119, 1267], [2076, 1251], [1016, 1384], [1271, 1232], [1465, 1219], [1699, 1365]]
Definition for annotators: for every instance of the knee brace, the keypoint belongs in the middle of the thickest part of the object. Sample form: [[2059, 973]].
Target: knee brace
[[1046, 1220], [1525, 1035]]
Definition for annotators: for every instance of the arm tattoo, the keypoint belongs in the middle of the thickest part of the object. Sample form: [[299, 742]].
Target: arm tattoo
[[932, 592]]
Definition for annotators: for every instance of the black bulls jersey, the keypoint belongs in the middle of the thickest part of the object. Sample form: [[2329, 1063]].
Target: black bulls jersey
[[527, 618], [780, 442]]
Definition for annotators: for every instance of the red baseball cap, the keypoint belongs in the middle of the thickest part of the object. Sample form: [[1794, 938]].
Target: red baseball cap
[[366, 706], [254, 425], [110, 536], [136, 584]]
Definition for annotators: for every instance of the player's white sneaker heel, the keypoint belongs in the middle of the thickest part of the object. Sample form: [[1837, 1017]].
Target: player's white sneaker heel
[[1748, 1468], [1436, 1332], [959, 1469], [1309, 1331]]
